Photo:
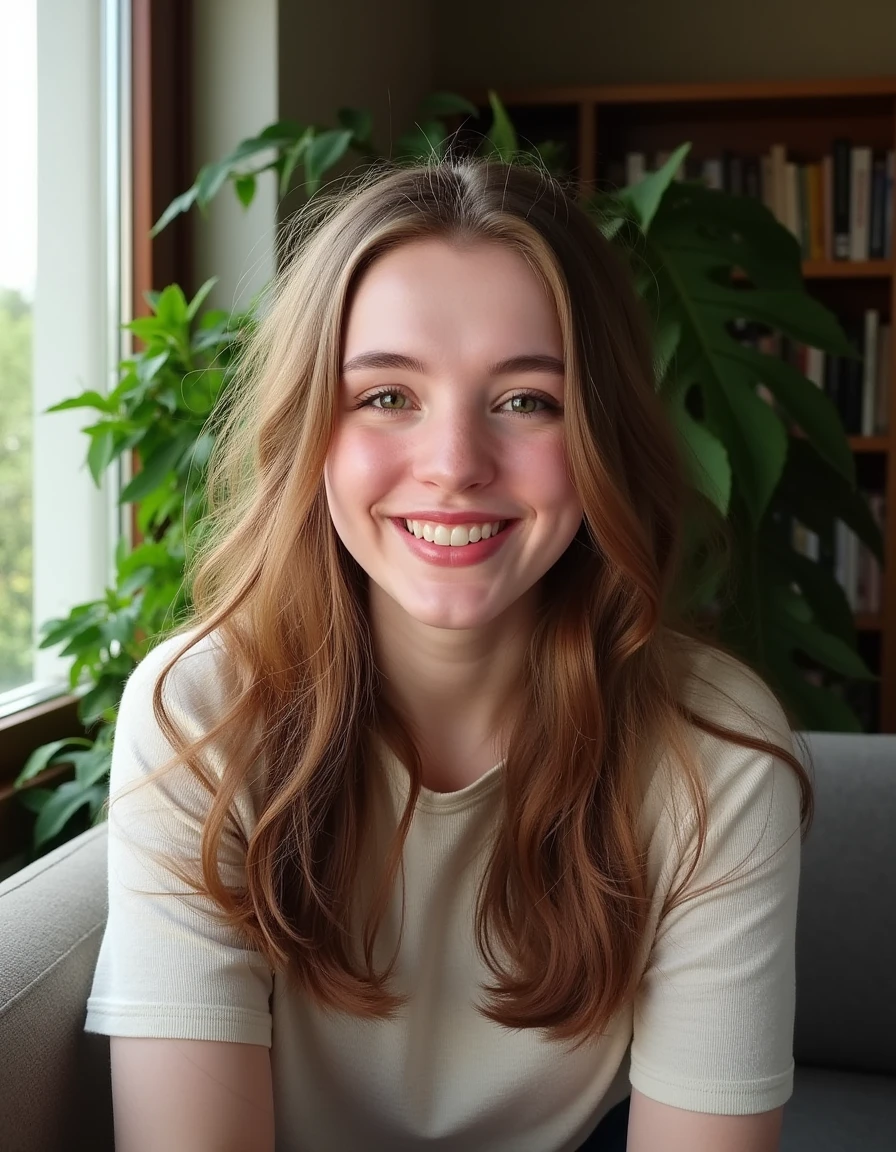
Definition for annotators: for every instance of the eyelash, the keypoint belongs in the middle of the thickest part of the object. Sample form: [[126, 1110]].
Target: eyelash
[[549, 405]]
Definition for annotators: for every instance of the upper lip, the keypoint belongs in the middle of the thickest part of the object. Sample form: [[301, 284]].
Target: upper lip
[[471, 517]]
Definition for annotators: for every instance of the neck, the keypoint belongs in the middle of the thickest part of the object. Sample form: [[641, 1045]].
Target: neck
[[457, 687]]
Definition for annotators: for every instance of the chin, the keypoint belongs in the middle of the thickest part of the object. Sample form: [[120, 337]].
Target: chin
[[451, 616]]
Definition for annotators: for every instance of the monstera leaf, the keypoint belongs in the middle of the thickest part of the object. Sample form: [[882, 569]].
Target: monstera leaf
[[706, 263]]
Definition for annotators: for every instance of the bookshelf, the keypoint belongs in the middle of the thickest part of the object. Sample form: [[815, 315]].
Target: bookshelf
[[600, 126]]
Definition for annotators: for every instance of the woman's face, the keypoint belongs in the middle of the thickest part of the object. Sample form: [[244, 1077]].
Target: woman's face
[[451, 418]]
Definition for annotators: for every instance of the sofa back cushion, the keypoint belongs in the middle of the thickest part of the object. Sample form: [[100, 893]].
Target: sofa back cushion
[[846, 924]]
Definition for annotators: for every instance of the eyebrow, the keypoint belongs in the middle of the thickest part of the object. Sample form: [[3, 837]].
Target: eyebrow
[[512, 365]]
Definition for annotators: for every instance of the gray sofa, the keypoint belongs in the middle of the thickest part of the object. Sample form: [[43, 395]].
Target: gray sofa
[[54, 1077]]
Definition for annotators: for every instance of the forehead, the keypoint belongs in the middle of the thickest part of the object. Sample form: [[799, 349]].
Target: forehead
[[483, 296]]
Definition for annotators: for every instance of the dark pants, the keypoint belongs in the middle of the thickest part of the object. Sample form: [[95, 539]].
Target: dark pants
[[610, 1135]]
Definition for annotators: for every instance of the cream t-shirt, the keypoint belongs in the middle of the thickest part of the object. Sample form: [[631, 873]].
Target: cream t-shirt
[[710, 1030]]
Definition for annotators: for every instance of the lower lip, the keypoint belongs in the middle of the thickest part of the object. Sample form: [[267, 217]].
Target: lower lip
[[448, 557]]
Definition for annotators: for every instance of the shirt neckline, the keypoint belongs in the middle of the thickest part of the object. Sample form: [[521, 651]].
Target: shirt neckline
[[439, 802]]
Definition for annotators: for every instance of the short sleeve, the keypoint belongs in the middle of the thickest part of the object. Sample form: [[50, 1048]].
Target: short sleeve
[[166, 967], [713, 1017]]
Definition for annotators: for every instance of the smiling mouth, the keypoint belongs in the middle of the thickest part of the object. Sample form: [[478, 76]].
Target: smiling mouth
[[454, 536]]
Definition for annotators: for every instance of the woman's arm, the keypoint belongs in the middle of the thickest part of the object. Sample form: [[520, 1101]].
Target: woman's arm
[[202, 1095], [652, 1126]]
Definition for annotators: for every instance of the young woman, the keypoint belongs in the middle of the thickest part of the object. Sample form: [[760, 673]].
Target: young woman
[[433, 828]]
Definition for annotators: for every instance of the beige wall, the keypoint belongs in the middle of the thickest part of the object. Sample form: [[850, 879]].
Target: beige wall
[[371, 54], [512, 43]]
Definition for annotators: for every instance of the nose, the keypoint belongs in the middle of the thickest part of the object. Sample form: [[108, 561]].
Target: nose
[[455, 451]]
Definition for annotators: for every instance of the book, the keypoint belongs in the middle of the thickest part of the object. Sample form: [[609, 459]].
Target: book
[[815, 183], [869, 371], [792, 200], [884, 379], [888, 204], [752, 177], [778, 154], [859, 202], [841, 159], [635, 167], [827, 180], [876, 245]]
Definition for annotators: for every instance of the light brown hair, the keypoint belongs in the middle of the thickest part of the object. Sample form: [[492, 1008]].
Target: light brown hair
[[563, 904]]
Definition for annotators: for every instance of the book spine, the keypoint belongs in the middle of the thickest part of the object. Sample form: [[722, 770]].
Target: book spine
[[841, 190], [752, 177], [884, 382], [832, 380], [815, 181], [878, 208], [805, 212], [859, 203], [815, 367], [779, 182], [827, 173], [768, 183], [635, 167], [792, 200], [713, 175], [869, 372], [851, 386], [888, 204]]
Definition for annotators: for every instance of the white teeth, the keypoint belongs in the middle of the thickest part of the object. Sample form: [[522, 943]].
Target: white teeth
[[453, 537]]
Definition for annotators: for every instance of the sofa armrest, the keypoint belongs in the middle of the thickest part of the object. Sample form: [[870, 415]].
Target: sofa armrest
[[55, 1084]]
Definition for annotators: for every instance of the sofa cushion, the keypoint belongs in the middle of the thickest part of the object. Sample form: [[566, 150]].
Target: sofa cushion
[[840, 1112], [55, 1085], [846, 925]]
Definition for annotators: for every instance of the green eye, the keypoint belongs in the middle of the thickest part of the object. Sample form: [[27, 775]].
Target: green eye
[[388, 401], [525, 405]]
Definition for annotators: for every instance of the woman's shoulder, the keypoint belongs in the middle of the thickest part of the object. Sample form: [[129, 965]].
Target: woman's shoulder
[[735, 777], [198, 675], [722, 688]]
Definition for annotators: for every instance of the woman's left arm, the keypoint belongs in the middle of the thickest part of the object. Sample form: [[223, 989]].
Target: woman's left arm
[[652, 1125], [712, 1046]]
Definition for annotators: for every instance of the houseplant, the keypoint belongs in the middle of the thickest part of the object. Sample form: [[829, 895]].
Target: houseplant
[[683, 241]]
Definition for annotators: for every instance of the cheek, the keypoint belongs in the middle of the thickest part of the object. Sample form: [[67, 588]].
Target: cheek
[[542, 467], [361, 467]]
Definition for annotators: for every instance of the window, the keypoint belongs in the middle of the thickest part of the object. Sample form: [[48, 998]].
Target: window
[[61, 80]]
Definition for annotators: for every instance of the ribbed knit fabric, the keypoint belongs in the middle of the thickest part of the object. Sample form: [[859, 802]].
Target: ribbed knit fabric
[[710, 1030]]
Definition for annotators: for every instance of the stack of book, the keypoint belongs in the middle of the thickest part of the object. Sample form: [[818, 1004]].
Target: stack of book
[[859, 389], [839, 207]]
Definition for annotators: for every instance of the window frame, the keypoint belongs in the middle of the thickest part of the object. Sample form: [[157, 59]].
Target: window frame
[[142, 145]]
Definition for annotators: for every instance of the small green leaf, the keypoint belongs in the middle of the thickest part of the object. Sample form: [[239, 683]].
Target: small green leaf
[[92, 766], [154, 471], [179, 204], [65, 801], [99, 454], [645, 196], [321, 154], [244, 186], [502, 141], [34, 799], [46, 755], [200, 298], [356, 121], [171, 309], [446, 104], [85, 400], [210, 181]]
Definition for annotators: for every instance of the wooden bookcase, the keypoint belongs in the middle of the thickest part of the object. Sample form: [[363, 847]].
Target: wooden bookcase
[[600, 124]]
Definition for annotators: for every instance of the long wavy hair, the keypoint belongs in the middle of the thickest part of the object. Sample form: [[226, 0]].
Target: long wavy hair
[[563, 904]]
